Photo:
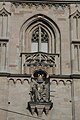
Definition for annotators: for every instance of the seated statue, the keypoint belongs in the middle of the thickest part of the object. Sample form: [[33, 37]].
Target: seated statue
[[38, 91]]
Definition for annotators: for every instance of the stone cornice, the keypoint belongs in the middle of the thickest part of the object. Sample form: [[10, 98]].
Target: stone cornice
[[43, 4], [44, 1], [75, 42], [73, 76], [3, 74], [4, 40]]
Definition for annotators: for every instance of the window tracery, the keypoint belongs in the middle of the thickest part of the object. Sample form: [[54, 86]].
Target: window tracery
[[40, 40]]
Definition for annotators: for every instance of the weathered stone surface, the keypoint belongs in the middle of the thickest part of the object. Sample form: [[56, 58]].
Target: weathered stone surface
[[62, 23]]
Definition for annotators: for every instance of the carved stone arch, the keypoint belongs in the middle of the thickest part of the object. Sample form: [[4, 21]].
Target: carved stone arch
[[13, 80], [19, 80], [26, 80], [48, 31], [54, 44], [69, 81], [44, 21], [55, 81], [62, 81]]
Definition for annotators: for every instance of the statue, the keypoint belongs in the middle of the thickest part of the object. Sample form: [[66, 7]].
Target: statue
[[40, 93]]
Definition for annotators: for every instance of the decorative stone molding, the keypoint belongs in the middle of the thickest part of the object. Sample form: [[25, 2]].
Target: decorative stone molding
[[50, 1], [37, 4], [41, 59], [18, 79], [63, 81], [15, 78], [22, 80], [37, 59]]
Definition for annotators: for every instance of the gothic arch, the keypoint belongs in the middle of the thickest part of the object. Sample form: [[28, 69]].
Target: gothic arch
[[49, 25]]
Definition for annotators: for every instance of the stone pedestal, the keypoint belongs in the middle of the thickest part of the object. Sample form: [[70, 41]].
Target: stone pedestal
[[39, 107]]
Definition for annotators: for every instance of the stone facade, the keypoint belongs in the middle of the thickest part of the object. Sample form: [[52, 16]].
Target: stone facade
[[39, 41]]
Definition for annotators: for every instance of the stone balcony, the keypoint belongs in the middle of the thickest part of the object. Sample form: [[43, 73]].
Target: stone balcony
[[39, 60]]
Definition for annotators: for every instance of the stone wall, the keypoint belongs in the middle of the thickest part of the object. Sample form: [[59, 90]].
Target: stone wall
[[63, 21]]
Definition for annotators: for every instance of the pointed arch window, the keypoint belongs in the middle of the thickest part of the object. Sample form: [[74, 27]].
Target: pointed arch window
[[39, 40]]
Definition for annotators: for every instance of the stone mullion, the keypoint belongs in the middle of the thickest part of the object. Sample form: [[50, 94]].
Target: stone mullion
[[39, 44]]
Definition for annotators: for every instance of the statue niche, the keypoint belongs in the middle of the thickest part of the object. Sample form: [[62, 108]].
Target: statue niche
[[39, 89], [39, 93]]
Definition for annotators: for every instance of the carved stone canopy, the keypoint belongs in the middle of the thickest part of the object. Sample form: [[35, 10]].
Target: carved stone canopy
[[40, 0], [41, 72]]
